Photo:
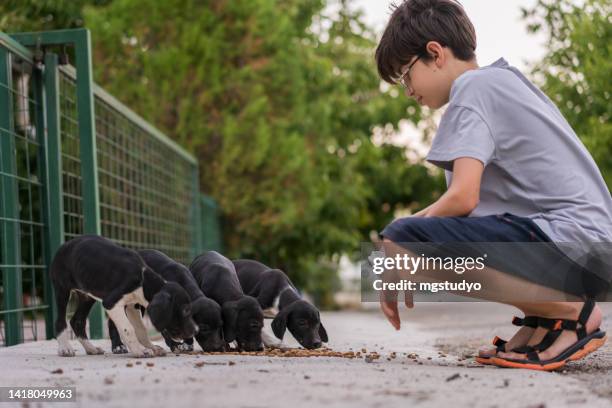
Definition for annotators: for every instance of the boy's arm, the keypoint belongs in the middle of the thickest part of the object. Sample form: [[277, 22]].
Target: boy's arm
[[460, 199], [463, 194], [423, 212]]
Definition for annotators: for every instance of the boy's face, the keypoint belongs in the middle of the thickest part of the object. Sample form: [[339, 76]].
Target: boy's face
[[429, 82]]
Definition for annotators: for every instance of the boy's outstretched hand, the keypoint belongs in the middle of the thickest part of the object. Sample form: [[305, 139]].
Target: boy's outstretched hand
[[388, 305]]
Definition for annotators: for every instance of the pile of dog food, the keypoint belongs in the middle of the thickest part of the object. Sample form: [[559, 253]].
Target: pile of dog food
[[298, 352]]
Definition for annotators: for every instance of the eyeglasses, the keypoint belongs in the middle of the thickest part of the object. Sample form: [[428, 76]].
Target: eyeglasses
[[404, 80]]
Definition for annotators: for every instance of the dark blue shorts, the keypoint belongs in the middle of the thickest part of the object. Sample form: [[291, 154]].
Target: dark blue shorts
[[492, 228], [534, 256]]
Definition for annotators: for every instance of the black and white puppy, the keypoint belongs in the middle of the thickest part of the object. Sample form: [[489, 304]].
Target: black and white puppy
[[273, 289], [96, 268], [242, 315], [205, 312]]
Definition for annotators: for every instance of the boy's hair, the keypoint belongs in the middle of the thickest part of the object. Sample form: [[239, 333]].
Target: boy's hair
[[416, 22]]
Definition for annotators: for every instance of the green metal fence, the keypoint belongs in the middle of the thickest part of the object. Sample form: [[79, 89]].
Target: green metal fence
[[75, 160], [21, 189]]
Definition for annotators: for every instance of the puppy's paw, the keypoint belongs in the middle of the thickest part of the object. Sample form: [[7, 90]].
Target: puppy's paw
[[66, 352], [184, 348], [94, 350], [122, 349], [144, 353], [275, 345], [158, 351]]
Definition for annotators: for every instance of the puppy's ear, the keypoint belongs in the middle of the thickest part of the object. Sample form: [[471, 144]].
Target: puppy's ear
[[186, 311], [230, 317], [279, 324], [160, 310], [322, 333]]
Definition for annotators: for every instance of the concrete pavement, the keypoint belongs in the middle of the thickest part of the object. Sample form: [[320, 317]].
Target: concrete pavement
[[433, 368]]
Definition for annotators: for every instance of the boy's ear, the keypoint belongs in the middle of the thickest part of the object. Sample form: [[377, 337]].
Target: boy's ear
[[229, 311], [279, 324], [436, 51]]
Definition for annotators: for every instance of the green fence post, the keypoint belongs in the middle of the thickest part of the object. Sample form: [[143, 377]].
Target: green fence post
[[81, 39], [89, 165], [41, 137], [11, 274], [54, 208]]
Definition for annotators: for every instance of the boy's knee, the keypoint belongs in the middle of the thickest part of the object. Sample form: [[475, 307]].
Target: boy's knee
[[409, 229]]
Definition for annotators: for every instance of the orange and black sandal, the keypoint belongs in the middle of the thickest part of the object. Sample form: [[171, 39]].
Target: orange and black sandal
[[500, 344], [586, 343]]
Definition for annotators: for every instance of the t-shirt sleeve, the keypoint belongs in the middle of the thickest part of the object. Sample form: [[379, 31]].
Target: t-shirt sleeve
[[462, 133]]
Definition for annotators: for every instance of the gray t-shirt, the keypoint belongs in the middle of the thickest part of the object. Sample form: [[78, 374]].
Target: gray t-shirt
[[535, 165]]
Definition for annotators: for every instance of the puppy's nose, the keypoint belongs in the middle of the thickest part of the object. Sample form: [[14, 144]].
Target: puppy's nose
[[316, 345]]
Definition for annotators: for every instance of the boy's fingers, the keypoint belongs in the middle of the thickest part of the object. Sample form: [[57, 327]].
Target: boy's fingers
[[408, 299], [390, 311], [388, 306]]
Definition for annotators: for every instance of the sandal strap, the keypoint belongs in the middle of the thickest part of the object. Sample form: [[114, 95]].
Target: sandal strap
[[500, 344], [546, 342], [550, 324], [523, 349], [579, 326], [586, 311], [533, 356], [529, 321], [556, 327]]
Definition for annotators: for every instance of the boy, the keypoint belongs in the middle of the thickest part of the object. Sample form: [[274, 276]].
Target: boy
[[515, 170]]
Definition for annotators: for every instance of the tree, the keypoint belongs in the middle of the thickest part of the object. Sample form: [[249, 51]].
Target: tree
[[576, 69], [278, 101], [40, 15]]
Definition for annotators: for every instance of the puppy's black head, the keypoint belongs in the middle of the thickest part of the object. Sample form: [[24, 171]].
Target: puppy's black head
[[304, 323], [170, 312], [207, 316], [242, 322]]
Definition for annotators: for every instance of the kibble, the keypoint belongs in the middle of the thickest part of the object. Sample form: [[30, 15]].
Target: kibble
[[289, 352]]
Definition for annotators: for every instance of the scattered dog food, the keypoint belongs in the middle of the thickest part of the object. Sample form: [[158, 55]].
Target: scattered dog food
[[58, 371], [453, 377], [202, 363], [150, 364], [299, 352], [289, 352]]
